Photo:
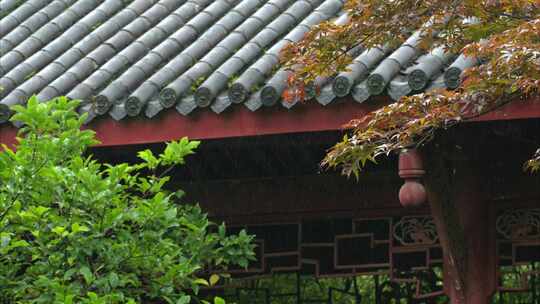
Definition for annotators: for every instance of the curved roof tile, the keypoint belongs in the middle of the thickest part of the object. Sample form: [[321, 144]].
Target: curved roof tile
[[218, 80], [142, 56], [19, 16], [56, 48], [187, 75], [203, 14]]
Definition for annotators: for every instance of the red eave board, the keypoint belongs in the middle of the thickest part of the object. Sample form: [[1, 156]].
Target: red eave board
[[239, 122]]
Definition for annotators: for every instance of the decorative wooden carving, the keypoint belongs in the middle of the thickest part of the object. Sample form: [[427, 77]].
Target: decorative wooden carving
[[411, 169], [404, 248], [416, 231], [518, 248]]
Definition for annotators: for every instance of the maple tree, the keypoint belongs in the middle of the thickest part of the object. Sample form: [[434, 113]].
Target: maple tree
[[503, 35]]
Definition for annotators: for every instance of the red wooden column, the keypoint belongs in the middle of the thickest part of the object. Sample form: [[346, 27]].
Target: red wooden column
[[476, 216], [455, 189]]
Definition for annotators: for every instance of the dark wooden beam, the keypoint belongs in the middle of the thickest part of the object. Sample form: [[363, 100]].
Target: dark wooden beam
[[281, 199]]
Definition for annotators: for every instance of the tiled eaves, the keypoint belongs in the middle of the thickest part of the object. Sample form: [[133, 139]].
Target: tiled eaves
[[57, 71], [218, 42], [91, 68], [7, 5], [126, 48], [95, 50], [164, 49], [189, 49], [22, 76], [272, 91], [60, 25], [33, 53], [130, 58], [24, 25], [216, 58], [18, 16], [397, 72], [255, 71], [235, 66]]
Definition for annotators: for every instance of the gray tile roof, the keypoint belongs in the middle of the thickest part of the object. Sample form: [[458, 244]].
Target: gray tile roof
[[133, 58]]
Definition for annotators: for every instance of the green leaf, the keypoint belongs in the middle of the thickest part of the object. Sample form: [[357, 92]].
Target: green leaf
[[149, 158], [218, 300], [69, 299], [59, 230], [114, 280], [201, 281], [40, 210], [69, 273], [76, 227], [19, 243], [214, 279], [184, 300], [87, 274]]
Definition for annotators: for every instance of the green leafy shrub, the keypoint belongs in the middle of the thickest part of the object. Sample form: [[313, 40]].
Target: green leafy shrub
[[73, 230]]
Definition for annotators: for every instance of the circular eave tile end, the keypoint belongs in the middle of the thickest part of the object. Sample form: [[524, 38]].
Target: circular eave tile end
[[167, 97], [375, 84], [203, 97], [102, 104], [311, 91], [417, 80], [5, 113], [269, 96], [452, 78], [133, 106], [237, 93], [341, 86]]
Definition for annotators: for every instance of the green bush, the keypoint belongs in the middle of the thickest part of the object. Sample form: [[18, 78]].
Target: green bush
[[73, 230]]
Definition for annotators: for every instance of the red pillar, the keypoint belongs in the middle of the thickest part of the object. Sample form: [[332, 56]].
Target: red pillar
[[465, 223], [477, 219]]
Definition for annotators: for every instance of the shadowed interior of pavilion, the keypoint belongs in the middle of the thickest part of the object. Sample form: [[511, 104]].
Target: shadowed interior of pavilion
[[317, 230]]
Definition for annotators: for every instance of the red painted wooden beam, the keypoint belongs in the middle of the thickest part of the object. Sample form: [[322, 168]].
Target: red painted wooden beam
[[519, 109], [235, 122], [239, 121]]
